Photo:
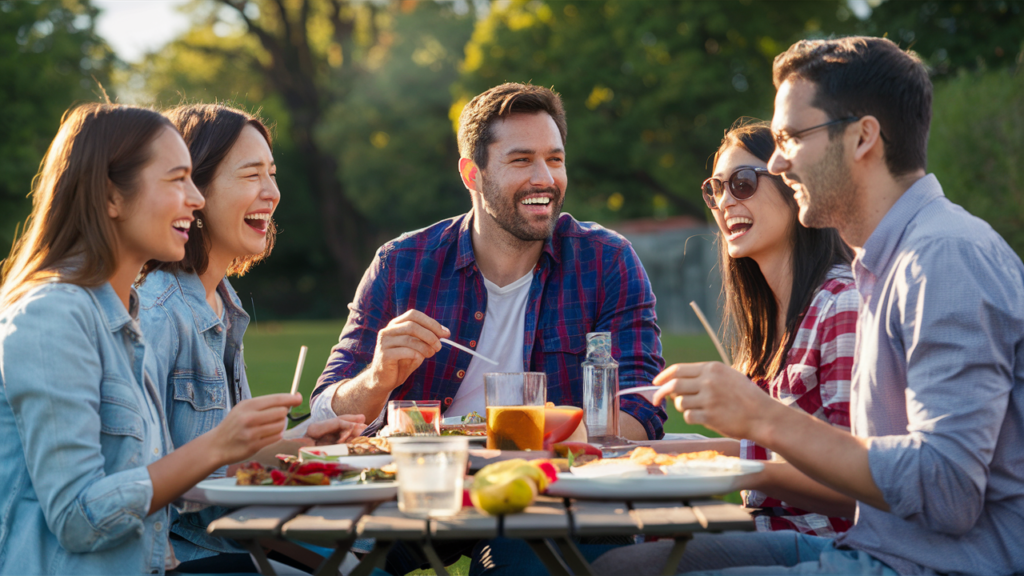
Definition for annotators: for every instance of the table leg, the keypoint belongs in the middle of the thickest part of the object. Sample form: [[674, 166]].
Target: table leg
[[260, 556], [374, 559], [675, 555], [330, 565], [433, 558], [572, 556], [548, 557]]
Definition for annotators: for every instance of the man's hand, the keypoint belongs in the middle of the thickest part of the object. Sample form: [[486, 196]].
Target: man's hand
[[717, 396], [402, 346], [336, 430]]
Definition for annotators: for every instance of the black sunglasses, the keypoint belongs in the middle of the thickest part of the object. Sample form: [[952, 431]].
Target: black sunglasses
[[742, 185]]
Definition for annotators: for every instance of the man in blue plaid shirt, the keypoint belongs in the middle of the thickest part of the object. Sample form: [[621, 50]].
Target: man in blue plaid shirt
[[513, 279]]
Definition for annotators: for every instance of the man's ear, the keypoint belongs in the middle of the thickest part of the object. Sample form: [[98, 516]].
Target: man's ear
[[469, 173], [869, 138]]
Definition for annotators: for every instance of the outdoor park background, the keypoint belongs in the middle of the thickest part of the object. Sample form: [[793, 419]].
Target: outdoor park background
[[363, 97]]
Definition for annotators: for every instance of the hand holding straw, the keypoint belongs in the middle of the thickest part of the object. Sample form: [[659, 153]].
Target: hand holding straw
[[714, 337], [298, 369]]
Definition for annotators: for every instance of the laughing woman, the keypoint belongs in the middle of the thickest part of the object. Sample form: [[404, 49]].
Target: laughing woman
[[791, 313], [88, 471], [191, 311]]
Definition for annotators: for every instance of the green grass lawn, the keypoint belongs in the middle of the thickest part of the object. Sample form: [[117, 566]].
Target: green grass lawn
[[272, 348]]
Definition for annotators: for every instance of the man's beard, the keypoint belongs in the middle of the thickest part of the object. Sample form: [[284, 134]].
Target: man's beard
[[829, 190], [506, 212]]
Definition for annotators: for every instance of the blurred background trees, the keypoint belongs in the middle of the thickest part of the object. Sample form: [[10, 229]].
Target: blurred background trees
[[363, 97]]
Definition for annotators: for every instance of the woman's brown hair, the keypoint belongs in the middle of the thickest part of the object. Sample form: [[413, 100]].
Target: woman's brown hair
[[751, 310], [99, 150], [210, 130]]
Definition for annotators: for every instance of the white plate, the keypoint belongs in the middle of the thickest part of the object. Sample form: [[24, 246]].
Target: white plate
[[632, 487], [224, 492]]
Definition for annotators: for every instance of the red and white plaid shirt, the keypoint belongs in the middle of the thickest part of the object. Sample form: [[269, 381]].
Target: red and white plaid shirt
[[816, 379]]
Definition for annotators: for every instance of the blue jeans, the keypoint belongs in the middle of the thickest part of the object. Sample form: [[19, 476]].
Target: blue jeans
[[511, 556], [739, 553]]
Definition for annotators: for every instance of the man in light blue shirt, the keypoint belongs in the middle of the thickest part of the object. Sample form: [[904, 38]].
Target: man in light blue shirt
[[935, 458]]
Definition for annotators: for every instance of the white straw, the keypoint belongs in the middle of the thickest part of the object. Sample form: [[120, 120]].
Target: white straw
[[714, 338], [464, 349], [298, 369]]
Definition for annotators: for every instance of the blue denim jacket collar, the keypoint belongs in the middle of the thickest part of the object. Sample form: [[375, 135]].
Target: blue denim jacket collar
[[112, 309]]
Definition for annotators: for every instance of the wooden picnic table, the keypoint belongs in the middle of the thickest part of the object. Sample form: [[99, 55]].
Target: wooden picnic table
[[549, 526]]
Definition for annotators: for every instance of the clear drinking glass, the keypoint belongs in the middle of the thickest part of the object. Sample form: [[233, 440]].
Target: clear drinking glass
[[515, 410], [415, 417], [431, 473]]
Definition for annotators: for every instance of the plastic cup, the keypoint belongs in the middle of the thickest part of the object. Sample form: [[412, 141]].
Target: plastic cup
[[431, 473]]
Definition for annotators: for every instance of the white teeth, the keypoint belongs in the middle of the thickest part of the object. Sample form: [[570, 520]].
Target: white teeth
[[738, 220], [537, 200], [258, 216], [182, 224]]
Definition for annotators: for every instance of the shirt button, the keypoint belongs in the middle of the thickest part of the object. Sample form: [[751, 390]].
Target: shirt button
[[479, 315], [156, 451], [472, 343], [158, 526], [448, 401], [460, 374]]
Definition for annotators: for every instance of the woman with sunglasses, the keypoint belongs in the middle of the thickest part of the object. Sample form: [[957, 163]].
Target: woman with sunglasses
[[790, 314], [195, 318], [89, 472]]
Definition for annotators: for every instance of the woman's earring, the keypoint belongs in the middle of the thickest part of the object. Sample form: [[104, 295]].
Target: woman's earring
[[199, 222]]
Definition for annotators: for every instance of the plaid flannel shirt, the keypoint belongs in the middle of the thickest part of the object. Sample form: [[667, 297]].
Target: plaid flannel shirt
[[816, 379], [588, 279]]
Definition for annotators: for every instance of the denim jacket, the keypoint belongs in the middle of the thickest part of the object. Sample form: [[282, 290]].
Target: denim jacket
[[81, 420], [191, 374]]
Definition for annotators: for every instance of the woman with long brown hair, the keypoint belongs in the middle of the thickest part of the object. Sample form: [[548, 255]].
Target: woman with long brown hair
[[790, 319], [88, 469], [191, 313]]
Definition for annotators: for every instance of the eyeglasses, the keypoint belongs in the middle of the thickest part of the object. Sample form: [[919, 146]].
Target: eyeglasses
[[784, 140], [742, 185]]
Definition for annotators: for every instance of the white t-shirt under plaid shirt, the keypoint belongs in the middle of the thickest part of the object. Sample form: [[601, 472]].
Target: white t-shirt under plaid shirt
[[816, 379]]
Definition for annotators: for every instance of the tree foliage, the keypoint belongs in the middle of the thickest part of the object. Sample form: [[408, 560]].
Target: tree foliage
[[50, 58]]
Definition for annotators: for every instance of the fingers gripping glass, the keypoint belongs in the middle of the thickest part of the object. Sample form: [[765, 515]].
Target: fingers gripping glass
[[742, 185]]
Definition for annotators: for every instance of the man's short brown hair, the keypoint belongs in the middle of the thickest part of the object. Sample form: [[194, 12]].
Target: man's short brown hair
[[475, 133], [860, 76]]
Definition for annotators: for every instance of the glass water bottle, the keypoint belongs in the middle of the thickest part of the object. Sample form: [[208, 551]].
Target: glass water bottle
[[600, 389]]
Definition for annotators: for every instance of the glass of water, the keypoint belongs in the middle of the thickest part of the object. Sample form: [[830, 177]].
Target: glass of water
[[431, 472]]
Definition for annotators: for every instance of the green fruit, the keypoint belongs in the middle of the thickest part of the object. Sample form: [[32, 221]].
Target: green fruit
[[506, 498], [502, 472]]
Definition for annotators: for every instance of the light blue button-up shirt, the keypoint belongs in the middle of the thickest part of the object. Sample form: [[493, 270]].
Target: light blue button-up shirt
[[80, 422], [938, 386]]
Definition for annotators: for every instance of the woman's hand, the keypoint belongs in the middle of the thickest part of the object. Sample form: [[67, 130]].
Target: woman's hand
[[336, 430], [251, 425], [715, 395]]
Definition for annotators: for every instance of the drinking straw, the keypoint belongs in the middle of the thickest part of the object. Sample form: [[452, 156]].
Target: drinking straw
[[298, 368], [464, 349], [714, 338]]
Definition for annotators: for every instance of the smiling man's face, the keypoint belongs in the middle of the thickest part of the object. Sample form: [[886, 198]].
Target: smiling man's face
[[523, 185]]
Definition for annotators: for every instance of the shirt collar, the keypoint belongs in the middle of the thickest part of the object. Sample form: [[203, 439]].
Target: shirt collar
[[111, 307], [194, 292], [465, 256], [880, 246]]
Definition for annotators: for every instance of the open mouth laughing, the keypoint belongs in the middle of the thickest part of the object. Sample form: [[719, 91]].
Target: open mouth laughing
[[737, 226], [258, 221], [181, 226]]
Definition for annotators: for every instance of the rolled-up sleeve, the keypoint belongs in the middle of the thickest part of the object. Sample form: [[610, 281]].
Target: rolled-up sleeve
[[628, 313], [957, 323], [57, 406], [369, 312]]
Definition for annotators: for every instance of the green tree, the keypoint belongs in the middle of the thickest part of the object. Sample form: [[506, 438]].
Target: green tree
[[50, 57], [648, 87]]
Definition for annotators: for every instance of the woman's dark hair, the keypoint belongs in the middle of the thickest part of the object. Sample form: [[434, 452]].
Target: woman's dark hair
[[99, 151], [210, 130], [751, 310]]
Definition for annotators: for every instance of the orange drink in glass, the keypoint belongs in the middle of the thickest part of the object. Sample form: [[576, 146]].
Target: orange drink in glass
[[515, 410]]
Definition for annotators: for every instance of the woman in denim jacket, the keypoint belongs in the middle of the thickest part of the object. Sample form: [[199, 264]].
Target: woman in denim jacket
[[191, 312], [88, 470]]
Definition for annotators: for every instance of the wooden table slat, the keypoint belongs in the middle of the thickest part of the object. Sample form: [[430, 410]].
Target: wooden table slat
[[253, 522], [541, 520], [666, 521], [724, 516], [468, 524], [388, 523], [603, 519], [329, 523]]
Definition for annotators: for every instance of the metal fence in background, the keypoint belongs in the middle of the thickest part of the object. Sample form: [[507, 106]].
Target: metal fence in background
[[682, 263]]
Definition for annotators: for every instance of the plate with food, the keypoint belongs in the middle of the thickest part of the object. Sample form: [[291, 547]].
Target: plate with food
[[357, 454], [297, 482], [644, 474], [472, 425]]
